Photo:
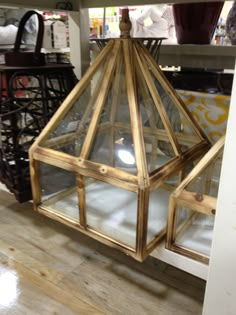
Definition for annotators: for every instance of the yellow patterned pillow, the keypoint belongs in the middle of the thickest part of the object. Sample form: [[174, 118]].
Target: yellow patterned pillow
[[209, 110]]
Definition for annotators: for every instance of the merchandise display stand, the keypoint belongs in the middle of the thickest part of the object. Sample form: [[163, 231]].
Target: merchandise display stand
[[29, 97]]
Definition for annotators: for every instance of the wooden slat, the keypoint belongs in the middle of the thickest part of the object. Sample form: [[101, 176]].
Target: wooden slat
[[104, 173], [183, 138], [116, 96], [81, 200], [35, 176], [154, 243], [100, 102], [136, 119], [56, 158], [106, 170], [157, 101], [176, 164], [188, 200], [189, 253], [148, 105], [121, 183], [117, 87], [171, 222], [59, 141], [142, 222]]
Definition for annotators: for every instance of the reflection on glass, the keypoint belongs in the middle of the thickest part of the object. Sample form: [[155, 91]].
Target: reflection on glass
[[126, 157], [59, 191], [112, 211], [195, 231]]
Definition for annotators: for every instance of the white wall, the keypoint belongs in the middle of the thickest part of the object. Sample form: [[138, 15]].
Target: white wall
[[220, 297]]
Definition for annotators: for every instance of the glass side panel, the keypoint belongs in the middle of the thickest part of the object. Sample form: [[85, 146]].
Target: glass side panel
[[207, 181], [158, 208], [112, 211], [183, 129], [69, 133], [157, 143], [158, 152], [59, 192], [113, 141], [114, 148], [194, 231]]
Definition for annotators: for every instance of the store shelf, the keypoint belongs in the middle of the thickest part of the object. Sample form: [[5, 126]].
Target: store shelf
[[37, 4], [189, 265], [198, 56], [112, 3]]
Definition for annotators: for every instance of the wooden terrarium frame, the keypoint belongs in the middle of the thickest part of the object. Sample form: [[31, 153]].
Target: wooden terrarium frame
[[112, 151], [192, 207]]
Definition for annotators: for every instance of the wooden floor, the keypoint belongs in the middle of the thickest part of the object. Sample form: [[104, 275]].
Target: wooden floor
[[49, 269]]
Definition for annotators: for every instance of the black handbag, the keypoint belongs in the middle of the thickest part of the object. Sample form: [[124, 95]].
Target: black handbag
[[17, 58]]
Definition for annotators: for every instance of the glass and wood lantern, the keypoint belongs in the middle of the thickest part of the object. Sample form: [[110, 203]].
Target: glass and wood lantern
[[192, 207], [111, 155]]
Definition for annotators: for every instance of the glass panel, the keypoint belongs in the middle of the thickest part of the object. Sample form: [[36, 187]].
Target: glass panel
[[207, 181], [184, 130], [194, 231], [158, 208], [113, 143], [70, 132], [112, 211], [158, 152], [157, 144], [59, 192]]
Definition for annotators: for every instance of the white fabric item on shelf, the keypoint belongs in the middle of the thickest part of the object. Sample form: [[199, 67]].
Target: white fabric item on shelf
[[9, 21], [8, 34], [154, 21]]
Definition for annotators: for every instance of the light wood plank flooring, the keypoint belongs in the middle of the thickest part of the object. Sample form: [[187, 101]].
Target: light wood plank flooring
[[49, 269]]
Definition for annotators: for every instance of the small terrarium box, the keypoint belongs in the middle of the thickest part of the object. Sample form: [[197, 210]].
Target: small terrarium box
[[192, 207]]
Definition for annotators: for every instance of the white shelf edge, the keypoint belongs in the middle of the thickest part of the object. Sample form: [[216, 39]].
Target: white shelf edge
[[56, 50], [186, 264], [120, 3]]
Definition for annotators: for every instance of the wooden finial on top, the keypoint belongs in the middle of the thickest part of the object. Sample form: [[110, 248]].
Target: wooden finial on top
[[125, 24]]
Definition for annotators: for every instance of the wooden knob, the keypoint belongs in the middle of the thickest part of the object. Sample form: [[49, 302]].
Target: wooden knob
[[125, 24]]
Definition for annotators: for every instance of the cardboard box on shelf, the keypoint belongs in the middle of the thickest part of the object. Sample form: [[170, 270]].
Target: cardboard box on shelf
[[55, 35]]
